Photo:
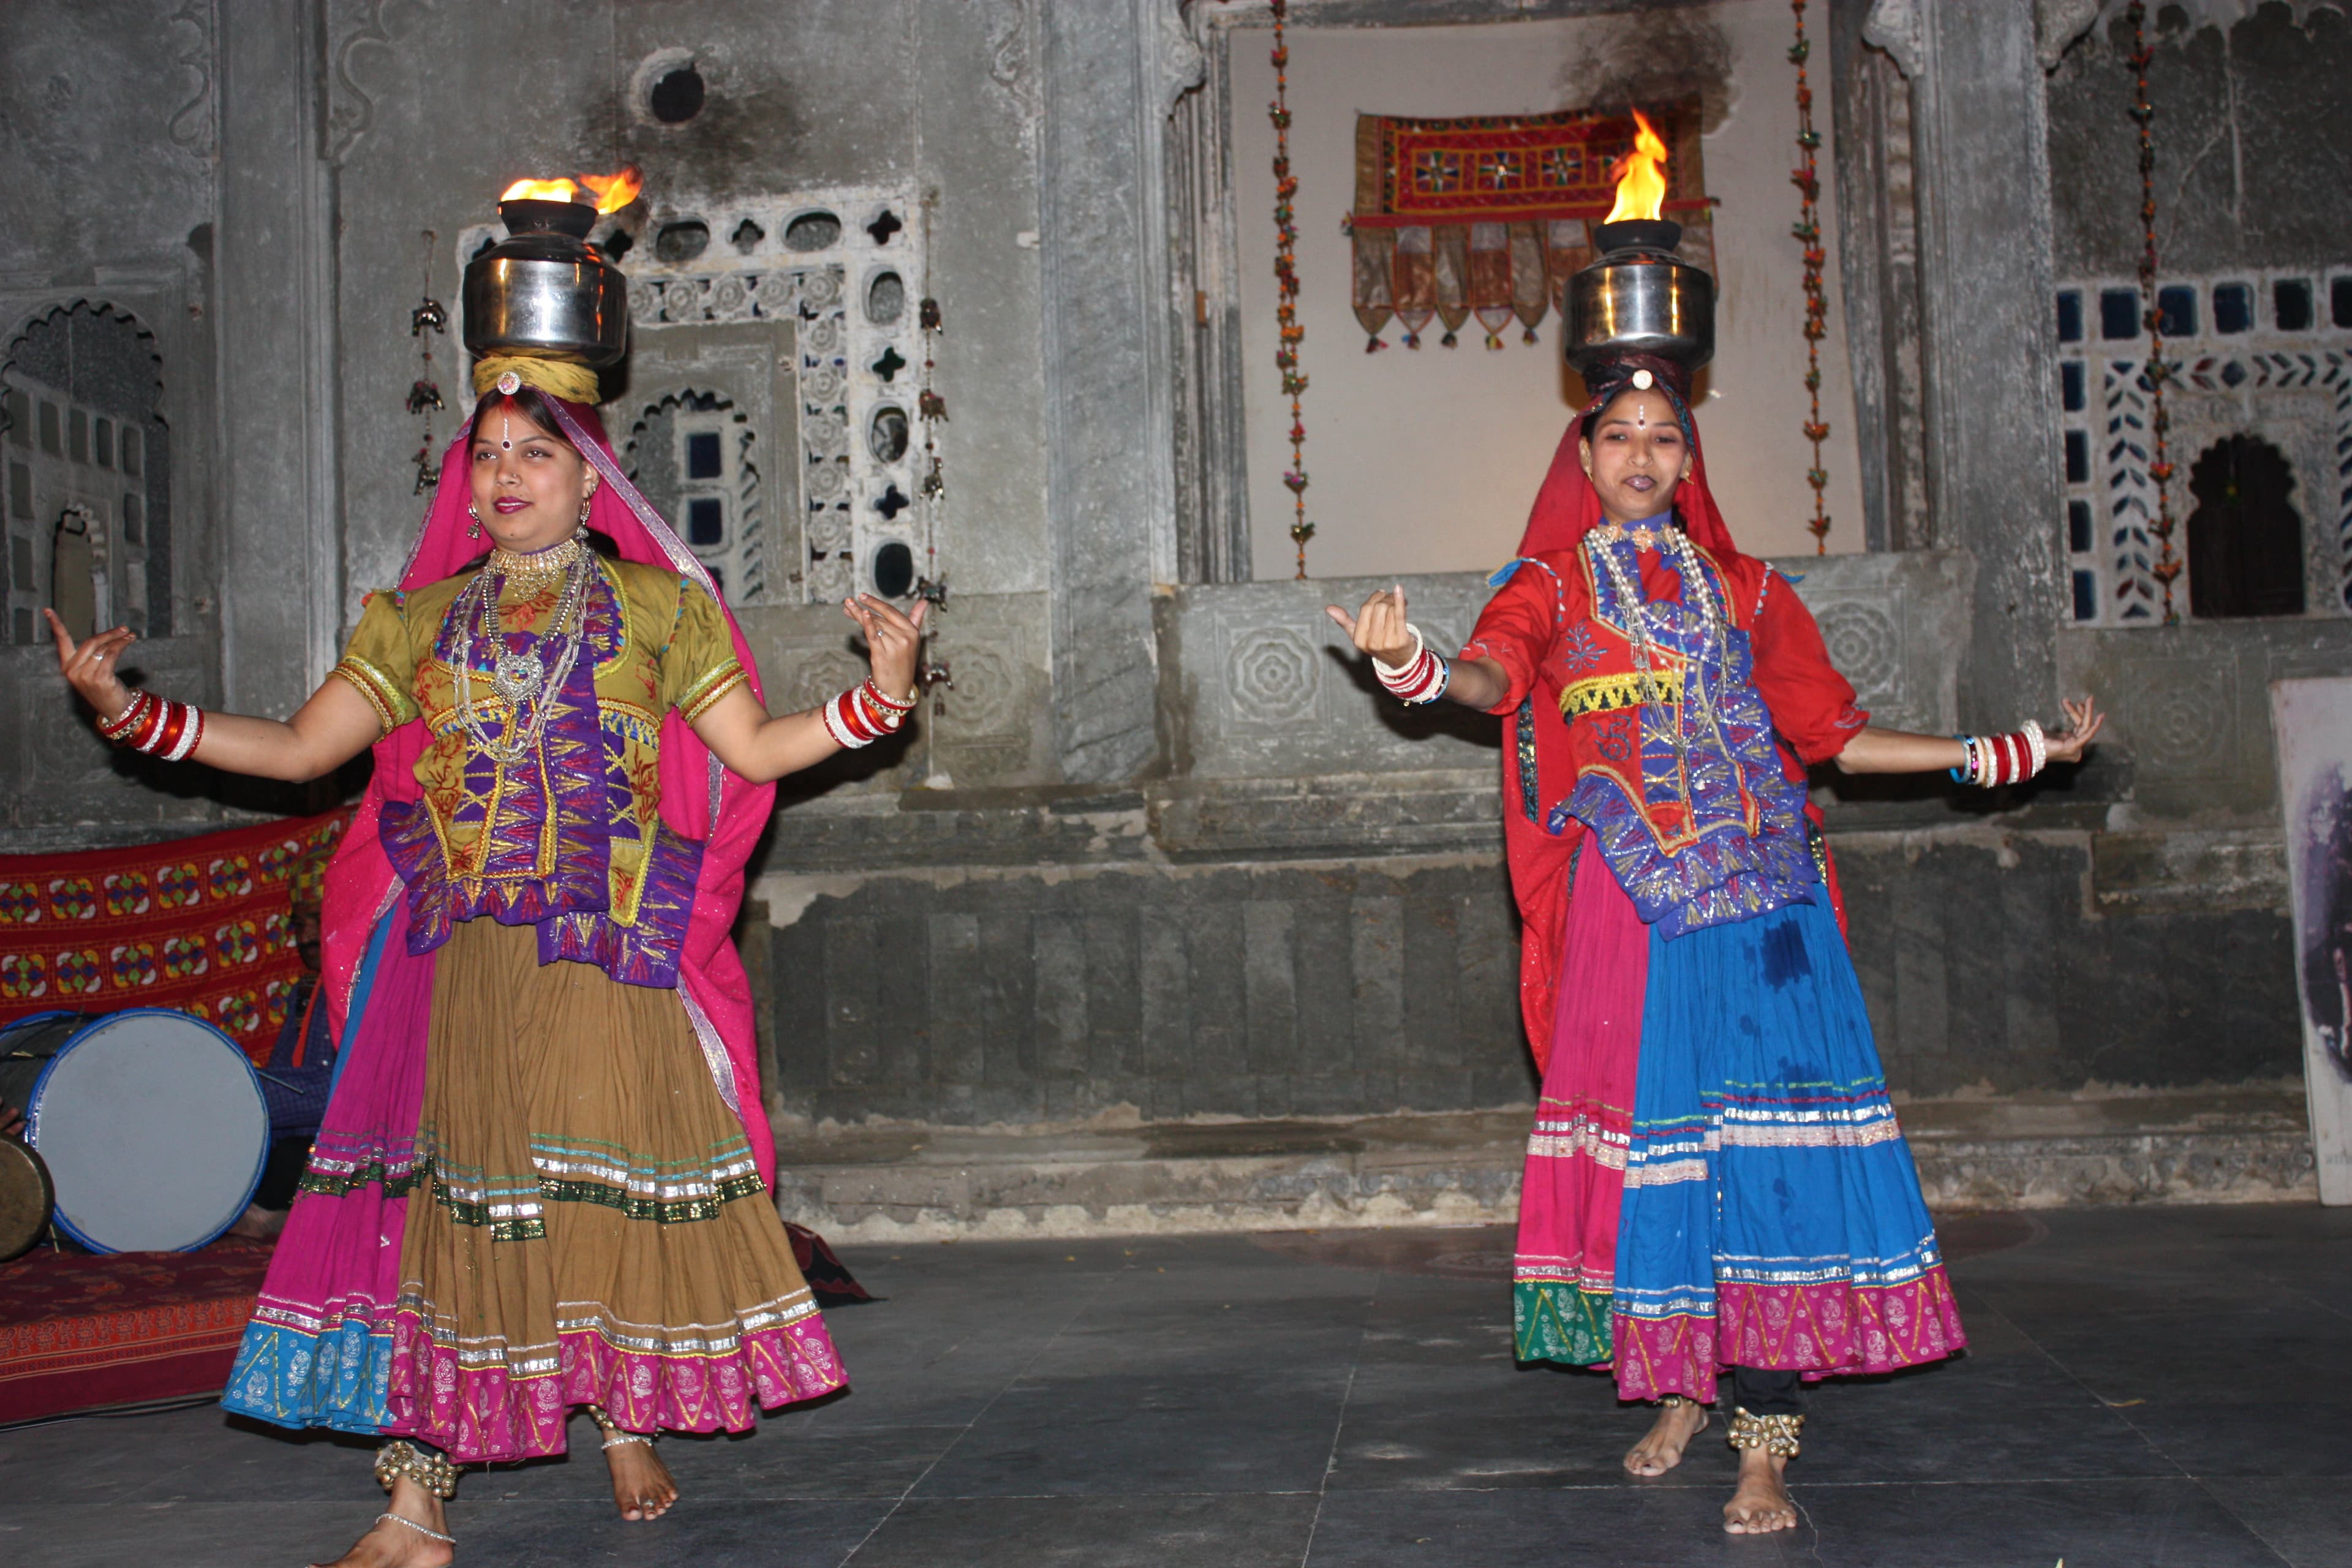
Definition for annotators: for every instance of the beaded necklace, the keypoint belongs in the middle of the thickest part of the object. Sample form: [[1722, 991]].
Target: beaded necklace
[[526, 683], [1668, 540]]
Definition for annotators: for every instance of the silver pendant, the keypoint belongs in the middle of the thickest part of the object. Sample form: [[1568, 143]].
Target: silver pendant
[[517, 677]]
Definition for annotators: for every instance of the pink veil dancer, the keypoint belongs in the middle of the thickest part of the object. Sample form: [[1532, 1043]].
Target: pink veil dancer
[[543, 1181], [319, 1350]]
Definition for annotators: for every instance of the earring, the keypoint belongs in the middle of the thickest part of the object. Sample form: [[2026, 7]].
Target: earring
[[474, 529], [585, 503]]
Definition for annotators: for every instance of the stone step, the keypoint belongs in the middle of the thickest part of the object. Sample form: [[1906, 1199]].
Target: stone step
[[912, 1183]]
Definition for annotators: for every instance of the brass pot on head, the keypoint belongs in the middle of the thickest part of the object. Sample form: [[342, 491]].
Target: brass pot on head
[[545, 290], [1637, 298]]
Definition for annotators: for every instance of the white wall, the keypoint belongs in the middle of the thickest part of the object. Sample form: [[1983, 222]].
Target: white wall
[[1426, 460]]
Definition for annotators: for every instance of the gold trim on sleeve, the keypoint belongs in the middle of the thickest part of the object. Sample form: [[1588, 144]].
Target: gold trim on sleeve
[[704, 694], [393, 706]]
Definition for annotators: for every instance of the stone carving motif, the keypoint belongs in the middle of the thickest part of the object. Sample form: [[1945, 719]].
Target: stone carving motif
[[1010, 54], [1273, 675], [811, 676], [2183, 715], [1896, 25], [838, 349], [190, 126], [1866, 646], [351, 26], [1179, 66], [986, 697]]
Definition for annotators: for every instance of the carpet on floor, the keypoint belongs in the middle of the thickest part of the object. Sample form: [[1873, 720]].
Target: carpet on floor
[[82, 1332]]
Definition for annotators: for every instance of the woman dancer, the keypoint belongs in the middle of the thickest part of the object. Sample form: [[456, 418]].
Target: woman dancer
[[542, 1179], [1684, 979]]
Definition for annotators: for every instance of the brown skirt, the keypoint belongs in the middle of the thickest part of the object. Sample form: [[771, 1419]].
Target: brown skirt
[[595, 1230]]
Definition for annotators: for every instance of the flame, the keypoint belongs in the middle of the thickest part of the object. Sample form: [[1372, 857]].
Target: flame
[[611, 193], [1641, 175], [540, 191]]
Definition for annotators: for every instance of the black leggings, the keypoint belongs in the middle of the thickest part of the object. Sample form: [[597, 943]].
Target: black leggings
[[1760, 1392]]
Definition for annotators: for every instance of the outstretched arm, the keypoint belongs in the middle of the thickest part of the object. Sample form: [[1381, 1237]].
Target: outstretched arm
[[740, 733], [331, 729], [1876, 750], [1378, 630]]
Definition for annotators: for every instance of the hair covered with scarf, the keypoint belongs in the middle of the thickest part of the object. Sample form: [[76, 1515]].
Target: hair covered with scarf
[[699, 799], [1566, 509]]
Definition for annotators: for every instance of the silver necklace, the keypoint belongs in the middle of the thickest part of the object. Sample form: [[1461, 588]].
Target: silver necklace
[[528, 685]]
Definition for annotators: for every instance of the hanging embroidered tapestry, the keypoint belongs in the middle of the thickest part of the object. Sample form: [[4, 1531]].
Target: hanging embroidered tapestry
[[1488, 217], [203, 926]]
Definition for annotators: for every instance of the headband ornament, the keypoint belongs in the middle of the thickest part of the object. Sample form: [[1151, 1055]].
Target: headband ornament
[[509, 384]]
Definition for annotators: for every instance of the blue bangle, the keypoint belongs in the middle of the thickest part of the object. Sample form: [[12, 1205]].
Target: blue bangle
[[1959, 774]]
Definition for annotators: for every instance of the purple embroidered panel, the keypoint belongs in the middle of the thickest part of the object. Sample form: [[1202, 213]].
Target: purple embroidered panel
[[561, 809], [1725, 874]]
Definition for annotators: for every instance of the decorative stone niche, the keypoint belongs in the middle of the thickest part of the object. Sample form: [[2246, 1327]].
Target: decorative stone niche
[[2263, 363], [87, 454], [782, 325]]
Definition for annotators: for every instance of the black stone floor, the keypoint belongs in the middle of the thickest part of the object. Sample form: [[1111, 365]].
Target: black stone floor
[[2144, 1386]]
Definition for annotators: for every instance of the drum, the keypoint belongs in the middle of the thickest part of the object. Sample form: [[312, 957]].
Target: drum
[[25, 1197], [151, 1122]]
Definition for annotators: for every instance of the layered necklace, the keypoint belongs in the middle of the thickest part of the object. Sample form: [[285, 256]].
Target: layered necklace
[[1667, 540], [525, 682]]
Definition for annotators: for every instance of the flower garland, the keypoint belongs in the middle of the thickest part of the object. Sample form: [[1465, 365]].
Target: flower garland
[[1286, 277], [1807, 178], [2167, 562]]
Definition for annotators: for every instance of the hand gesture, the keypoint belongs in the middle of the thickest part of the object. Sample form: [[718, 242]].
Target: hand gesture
[[1378, 628], [894, 640], [2086, 720], [89, 665]]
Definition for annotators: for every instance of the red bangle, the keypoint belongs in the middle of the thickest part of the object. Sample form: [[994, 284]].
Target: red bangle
[[884, 702], [117, 729], [151, 724]]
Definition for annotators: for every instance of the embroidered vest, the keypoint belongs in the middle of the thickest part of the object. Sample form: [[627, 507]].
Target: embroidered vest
[[1678, 775]]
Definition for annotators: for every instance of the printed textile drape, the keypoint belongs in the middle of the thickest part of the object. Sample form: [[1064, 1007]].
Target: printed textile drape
[[1488, 217], [203, 926]]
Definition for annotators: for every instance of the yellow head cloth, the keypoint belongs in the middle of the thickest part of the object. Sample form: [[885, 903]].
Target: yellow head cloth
[[558, 378]]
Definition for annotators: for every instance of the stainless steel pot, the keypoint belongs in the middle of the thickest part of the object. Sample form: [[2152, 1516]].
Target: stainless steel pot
[[1637, 298], [545, 290]]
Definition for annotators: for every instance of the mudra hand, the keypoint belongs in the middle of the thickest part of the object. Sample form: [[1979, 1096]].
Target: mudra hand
[[2086, 720], [1378, 628], [88, 665], [894, 640]]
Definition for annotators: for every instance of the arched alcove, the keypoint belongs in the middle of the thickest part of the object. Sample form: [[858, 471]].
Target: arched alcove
[[81, 398], [691, 451], [2245, 538]]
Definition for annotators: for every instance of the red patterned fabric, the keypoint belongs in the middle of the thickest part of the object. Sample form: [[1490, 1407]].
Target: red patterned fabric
[[1823, 1331], [80, 1333], [198, 924]]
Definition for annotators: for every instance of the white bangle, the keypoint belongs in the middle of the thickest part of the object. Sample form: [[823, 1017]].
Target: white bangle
[[841, 737], [2037, 745], [1389, 672]]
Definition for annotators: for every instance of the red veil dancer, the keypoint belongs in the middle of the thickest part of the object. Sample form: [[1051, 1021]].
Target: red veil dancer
[[1715, 1177], [542, 1180]]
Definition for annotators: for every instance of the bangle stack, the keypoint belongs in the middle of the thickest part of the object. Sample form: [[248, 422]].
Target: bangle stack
[[863, 715], [1994, 761], [157, 726], [1421, 679]]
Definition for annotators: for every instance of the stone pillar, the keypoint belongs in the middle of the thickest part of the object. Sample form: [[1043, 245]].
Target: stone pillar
[[1109, 385], [280, 554], [1989, 369]]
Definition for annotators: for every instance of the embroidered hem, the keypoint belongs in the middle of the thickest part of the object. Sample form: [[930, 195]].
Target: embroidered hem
[[1552, 1321], [484, 1413], [1823, 1331]]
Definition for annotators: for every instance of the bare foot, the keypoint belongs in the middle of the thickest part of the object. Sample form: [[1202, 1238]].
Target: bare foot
[[391, 1545], [1661, 1449], [1761, 1504], [642, 1486]]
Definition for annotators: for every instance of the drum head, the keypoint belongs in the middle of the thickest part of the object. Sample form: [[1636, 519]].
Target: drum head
[[154, 1128], [25, 1198]]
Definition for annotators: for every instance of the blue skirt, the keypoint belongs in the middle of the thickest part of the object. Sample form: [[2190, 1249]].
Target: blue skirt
[[1771, 1218]]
